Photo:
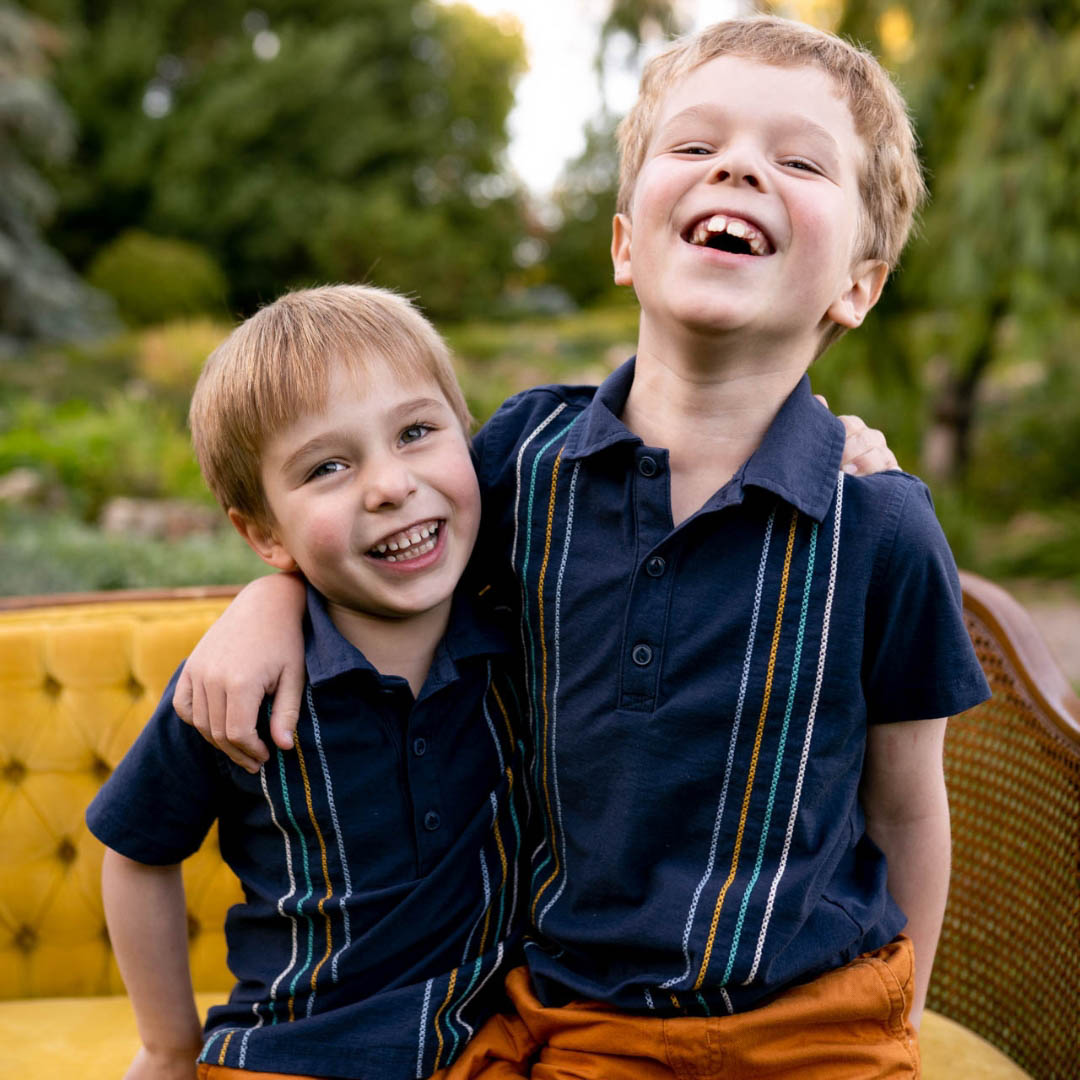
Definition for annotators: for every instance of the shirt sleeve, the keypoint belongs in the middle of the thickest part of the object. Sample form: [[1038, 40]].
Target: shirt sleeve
[[918, 662], [159, 803]]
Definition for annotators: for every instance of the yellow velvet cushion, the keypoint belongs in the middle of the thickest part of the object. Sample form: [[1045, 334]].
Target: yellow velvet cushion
[[92, 1038], [76, 686], [96, 1036]]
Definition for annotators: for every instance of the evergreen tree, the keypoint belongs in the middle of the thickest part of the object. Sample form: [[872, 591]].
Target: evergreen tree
[[41, 298]]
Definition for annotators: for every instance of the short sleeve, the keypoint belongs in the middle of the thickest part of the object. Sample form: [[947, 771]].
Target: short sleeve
[[918, 660], [159, 803]]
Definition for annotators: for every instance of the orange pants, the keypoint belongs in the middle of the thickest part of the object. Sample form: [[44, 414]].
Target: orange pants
[[849, 1024]]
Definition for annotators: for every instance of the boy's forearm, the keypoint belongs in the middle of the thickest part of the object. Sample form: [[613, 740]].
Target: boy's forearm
[[918, 854], [907, 816], [147, 920]]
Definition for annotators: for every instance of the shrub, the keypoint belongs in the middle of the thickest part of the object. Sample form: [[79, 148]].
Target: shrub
[[154, 278], [128, 446]]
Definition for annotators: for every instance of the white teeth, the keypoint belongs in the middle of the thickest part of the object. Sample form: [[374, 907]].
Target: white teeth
[[419, 539], [413, 552], [742, 230]]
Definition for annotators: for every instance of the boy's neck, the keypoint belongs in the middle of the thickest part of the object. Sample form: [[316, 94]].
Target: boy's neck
[[402, 647], [709, 406]]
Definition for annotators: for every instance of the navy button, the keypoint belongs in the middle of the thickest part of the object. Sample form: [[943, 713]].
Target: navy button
[[432, 821], [655, 566], [647, 466], [641, 655], [419, 747]]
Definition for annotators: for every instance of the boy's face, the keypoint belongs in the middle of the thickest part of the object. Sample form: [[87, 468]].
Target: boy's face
[[746, 211], [374, 498]]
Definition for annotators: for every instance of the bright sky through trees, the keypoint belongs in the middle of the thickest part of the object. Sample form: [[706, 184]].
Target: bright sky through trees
[[560, 93]]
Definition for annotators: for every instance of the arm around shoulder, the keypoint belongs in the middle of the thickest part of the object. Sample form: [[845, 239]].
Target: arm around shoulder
[[255, 648]]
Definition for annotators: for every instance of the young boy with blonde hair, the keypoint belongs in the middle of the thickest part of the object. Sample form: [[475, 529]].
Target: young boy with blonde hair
[[379, 856], [738, 656]]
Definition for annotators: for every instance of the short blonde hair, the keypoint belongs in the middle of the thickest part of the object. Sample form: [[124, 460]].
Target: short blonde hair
[[276, 367], [891, 181]]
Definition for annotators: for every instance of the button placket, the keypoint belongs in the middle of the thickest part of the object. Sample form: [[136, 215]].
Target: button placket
[[648, 603]]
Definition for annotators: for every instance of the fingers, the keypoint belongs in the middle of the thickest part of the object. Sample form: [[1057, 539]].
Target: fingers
[[226, 719], [181, 700], [865, 450], [821, 397], [286, 711], [242, 743]]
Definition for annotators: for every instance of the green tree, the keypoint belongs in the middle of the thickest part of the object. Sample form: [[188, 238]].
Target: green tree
[[995, 271], [303, 141], [41, 299], [584, 198]]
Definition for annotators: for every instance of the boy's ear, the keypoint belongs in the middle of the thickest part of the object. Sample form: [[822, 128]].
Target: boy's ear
[[864, 287], [261, 541], [620, 249]]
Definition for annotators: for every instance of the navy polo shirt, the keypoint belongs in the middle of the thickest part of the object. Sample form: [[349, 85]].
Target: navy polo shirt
[[699, 696], [378, 858]]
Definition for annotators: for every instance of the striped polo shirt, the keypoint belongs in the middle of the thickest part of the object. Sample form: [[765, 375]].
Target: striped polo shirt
[[698, 696], [378, 858]]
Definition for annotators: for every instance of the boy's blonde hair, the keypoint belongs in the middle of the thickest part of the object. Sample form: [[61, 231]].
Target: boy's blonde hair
[[891, 182], [277, 366]]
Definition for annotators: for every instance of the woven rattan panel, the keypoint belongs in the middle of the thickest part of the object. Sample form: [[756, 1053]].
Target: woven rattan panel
[[1007, 965]]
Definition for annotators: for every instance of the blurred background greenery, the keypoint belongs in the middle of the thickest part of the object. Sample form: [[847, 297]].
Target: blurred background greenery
[[167, 167]]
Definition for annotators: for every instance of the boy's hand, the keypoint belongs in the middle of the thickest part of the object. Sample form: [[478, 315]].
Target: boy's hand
[[865, 450], [164, 1065], [255, 648]]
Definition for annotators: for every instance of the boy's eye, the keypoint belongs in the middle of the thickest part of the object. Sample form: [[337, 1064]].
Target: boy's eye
[[798, 163], [692, 150], [325, 468], [414, 432]]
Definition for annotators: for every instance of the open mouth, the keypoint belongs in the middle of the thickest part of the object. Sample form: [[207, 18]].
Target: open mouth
[[408, 544], [725, 233]]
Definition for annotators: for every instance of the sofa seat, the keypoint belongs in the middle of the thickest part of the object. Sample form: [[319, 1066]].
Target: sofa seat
[[45, 1037]]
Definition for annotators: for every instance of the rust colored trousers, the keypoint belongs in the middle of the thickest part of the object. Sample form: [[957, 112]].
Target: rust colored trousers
[[849, 1024]]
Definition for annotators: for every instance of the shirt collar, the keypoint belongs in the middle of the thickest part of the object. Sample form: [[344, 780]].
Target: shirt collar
[[800, 456], [471, 631], [599, 425], [798, 459]]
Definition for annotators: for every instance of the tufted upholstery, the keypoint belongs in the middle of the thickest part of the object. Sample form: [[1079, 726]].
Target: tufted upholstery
[[77, 682], [78, 677]]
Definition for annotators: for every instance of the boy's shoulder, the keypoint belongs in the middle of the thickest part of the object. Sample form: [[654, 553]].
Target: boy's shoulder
[[528, 412]]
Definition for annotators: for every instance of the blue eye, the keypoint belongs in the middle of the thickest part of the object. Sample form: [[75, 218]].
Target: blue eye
[[414, 432]]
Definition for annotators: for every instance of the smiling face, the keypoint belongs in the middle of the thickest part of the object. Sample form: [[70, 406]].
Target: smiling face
[[374, 498], [745, 215]]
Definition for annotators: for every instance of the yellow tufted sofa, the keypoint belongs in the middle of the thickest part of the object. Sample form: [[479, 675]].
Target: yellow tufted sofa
[[80, 674]]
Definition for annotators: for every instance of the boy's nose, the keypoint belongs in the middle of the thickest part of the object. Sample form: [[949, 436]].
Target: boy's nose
[[388, 484], [736, 165]]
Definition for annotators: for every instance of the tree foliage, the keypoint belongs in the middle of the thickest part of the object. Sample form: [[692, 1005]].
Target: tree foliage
[[994, 86], [40, 298], [303, 141]]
